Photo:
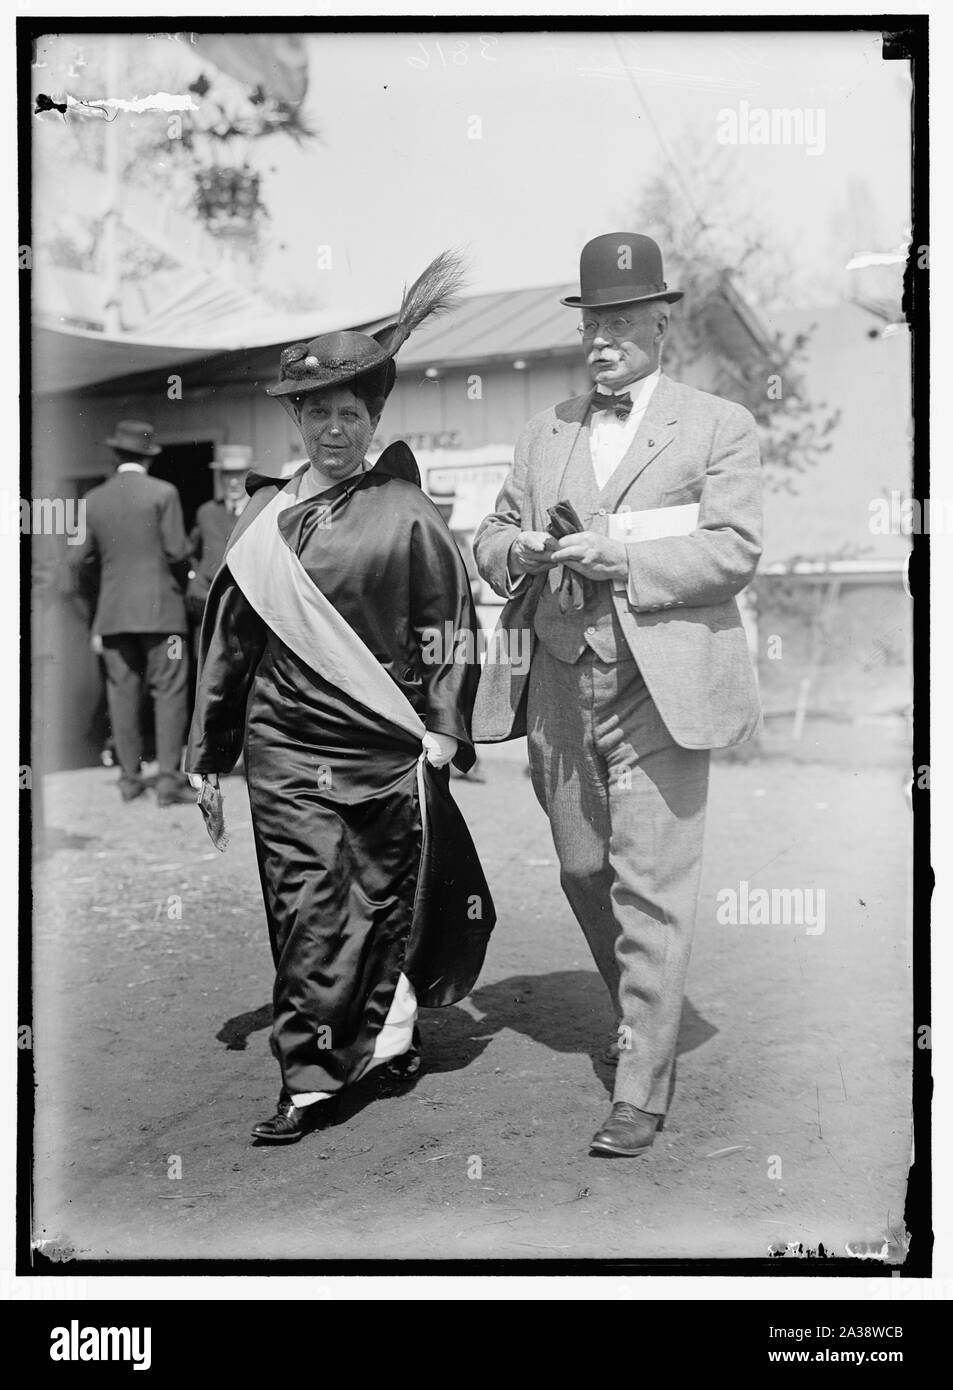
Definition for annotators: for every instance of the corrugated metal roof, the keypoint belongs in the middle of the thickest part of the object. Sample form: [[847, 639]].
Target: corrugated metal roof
[[508, 323]]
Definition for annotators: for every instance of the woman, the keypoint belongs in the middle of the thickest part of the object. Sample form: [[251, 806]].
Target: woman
[[330, 643]]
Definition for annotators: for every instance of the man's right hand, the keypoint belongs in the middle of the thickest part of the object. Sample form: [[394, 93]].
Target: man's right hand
[[531, 553]]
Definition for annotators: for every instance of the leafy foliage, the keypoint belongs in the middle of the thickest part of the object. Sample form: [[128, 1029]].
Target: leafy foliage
[[705, 254]]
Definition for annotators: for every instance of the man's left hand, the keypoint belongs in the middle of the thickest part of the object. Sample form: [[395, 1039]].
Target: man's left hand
[[593, 556]]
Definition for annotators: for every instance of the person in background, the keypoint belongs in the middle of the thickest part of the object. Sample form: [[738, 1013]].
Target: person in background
[[214, 522], [131, 572]]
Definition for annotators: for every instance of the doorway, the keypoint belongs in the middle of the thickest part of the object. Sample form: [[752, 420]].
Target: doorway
[[186, 467]]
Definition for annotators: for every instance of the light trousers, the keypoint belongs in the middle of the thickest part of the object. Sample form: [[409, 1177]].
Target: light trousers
[[626, 806]]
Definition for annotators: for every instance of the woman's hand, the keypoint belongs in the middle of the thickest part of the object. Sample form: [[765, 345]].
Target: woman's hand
[[439, 748], [197, 778]]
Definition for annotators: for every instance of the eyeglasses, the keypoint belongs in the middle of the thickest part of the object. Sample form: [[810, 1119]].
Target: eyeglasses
[[615, 328]]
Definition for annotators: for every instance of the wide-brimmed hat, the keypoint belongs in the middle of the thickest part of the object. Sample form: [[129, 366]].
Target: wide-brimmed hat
[[232, 458], [134, 437], [334, 359], [620, 268]]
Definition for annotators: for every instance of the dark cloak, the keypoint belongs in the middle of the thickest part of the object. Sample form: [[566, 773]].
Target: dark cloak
[[358, 885]]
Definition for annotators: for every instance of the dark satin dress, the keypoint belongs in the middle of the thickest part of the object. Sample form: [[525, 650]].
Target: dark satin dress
[[333, 787]]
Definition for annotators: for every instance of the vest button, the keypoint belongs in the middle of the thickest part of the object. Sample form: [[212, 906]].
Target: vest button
[[590, 630], [651, 443], [602, 511]]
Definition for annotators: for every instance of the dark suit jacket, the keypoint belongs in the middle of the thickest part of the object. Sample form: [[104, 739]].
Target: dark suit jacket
[[214, 524], [133, 563]]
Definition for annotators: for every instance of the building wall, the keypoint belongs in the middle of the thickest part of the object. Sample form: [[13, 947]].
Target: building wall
[[850, 367], [466, 408], [68, 430]]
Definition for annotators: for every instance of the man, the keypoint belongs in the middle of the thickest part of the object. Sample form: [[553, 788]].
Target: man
[[640, 664], [214, 522], [132, 569]]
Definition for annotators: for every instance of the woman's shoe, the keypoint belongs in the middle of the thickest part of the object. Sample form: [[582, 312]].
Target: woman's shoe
[[291, 1122], [407, 1066]]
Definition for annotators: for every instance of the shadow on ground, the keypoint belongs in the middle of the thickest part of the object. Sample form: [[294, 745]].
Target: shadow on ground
[[565, 1011]]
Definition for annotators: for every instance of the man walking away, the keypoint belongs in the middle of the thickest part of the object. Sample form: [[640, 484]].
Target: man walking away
[[131, 570]]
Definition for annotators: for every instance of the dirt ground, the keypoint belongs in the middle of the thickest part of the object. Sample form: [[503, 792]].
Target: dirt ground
[[791, 1118]]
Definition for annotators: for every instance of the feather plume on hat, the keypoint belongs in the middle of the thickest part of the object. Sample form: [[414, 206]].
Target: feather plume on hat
[[436, 291], [333, 359]]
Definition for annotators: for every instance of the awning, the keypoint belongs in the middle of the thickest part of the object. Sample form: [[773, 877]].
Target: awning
[[69, 359]]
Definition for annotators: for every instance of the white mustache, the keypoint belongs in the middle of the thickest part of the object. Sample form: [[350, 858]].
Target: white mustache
[[605, 355]]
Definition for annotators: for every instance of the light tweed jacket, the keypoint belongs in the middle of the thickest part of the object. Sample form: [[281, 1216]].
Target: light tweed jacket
[[677, 609]]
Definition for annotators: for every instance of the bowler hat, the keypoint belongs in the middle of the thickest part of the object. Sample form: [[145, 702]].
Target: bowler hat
[[620, 268], [134, 437], [232, 458]]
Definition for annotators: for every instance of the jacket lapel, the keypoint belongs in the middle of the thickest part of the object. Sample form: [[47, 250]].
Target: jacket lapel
[[656, 432], [570, 432]]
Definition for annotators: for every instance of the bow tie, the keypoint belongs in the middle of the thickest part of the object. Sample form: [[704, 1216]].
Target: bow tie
[[621, 406]]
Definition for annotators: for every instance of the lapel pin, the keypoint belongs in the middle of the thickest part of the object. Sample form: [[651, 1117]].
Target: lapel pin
[[651, 443]]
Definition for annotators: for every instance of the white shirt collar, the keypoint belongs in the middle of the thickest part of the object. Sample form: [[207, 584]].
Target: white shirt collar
[[610, 437], [131, 468], [640, 390]]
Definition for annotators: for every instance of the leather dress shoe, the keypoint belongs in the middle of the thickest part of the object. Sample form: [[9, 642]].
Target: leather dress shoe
[[130, 790], [291, 1123], [627, 1132], [407, 1066]]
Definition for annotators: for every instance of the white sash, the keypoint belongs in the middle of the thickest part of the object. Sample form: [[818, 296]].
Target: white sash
[[278, 587]]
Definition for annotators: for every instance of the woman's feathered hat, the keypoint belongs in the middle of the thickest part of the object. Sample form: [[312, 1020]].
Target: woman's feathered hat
[[333, 359]]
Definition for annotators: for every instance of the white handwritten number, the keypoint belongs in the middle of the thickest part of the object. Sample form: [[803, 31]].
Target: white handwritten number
[[459, 57], [415, 62]]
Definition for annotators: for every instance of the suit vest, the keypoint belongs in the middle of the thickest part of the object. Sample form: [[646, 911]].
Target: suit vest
[[567, 635]]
